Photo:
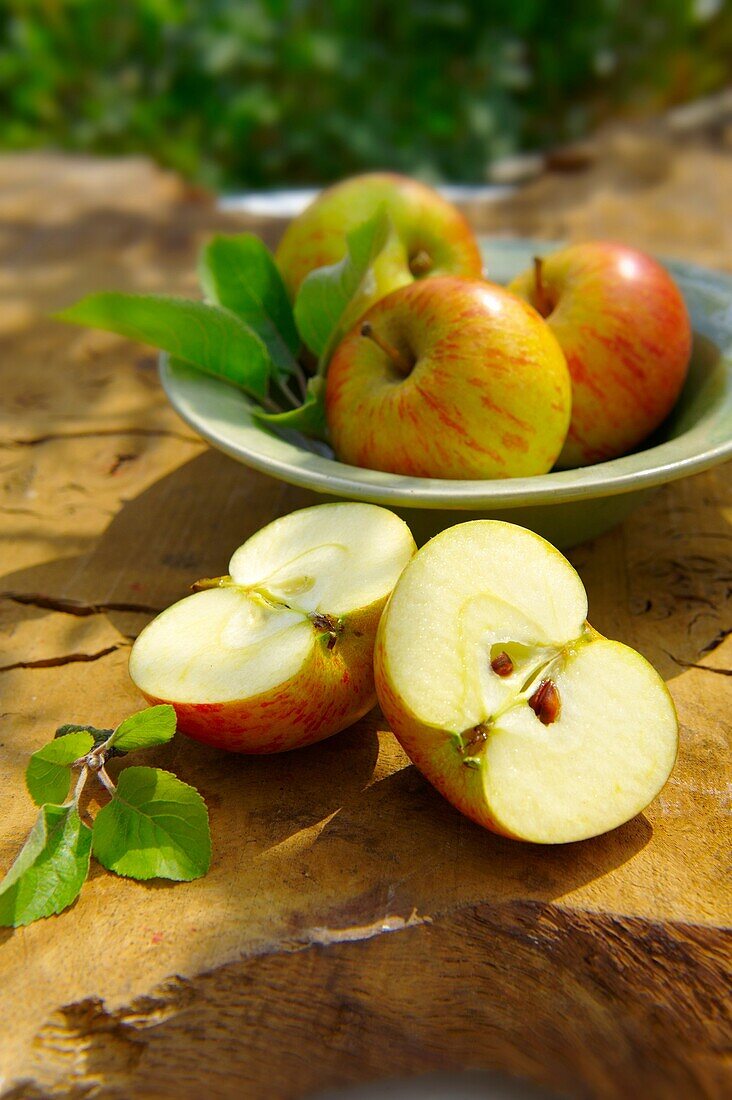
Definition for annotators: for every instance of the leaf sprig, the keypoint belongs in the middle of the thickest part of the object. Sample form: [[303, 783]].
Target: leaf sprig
[[154, 826], [246, 332]]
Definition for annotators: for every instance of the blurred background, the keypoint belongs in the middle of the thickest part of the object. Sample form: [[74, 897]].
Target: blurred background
[[243, 94]]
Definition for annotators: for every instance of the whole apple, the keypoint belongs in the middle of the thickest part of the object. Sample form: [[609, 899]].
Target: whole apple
[[279, 653], [625, 331], [429, 236], [449, 378]]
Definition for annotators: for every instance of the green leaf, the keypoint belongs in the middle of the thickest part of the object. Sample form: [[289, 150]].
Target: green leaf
[[205, 336], [50, 870], [72, 727], [308, 418], [325, 294], [154, 726], [156, 826], [47, 776], [239, 273]]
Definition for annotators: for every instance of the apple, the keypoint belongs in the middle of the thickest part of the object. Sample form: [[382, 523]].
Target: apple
[[625, 331], [279, 654], [449, 378], [511, 705], [429, 236]]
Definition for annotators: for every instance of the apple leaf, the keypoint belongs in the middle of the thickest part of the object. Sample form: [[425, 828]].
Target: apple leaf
[[325, 294], [47, 776], [206, 336], [239, 273], [156, 826], [154, 726], [50, 869], [308, 418], [72, 727]]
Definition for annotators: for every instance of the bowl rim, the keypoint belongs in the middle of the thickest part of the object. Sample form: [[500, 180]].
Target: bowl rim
[[222, 415]]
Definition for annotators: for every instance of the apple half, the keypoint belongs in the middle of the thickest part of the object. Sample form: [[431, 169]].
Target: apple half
[[507, 700], [279, 653]]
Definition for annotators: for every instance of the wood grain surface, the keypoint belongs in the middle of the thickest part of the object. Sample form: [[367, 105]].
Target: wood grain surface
[[353, 926]]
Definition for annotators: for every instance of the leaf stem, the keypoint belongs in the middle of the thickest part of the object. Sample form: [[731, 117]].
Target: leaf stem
[[322, 368], [268, 404], [302, 381], [291, 397], [80, 782], [105, 780]]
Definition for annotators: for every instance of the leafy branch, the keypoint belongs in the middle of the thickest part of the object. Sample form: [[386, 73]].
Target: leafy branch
[[247, 332], [154, 826]]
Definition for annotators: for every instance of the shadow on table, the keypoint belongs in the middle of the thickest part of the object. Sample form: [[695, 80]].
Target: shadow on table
[[348, 810], [471, 1085], [666, 601]]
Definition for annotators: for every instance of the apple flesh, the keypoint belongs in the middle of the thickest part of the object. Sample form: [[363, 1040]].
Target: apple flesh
[[449, 378], [429, 236], [512, 706], [625, 331], [279, 654]]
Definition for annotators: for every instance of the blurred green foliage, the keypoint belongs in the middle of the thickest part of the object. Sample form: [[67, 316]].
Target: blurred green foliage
[[263, 92]]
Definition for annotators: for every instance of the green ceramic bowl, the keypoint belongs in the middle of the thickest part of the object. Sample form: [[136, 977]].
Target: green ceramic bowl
[[566, 507]]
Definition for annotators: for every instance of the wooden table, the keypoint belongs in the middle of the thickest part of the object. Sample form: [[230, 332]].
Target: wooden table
[[353, 925]]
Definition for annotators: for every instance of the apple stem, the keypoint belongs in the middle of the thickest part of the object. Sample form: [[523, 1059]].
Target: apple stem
[[421, 263], [210, 582], [399, 360], [541, 295]]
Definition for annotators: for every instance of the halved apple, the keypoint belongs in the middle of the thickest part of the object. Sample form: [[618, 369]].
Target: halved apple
[[279, 653], [512, 706]]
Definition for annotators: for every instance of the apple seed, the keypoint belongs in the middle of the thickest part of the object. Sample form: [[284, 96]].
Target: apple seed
[[545, 702], [502, 665]]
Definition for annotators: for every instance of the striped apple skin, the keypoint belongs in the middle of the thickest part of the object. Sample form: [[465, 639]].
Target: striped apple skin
[[626, 334], [331, 691], [489, 395], [421, 218]]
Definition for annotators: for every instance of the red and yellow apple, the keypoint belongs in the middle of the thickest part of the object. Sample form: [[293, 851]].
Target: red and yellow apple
[[279, 653], [429, 236], [625, 331], [449, 378], [512, 706]]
